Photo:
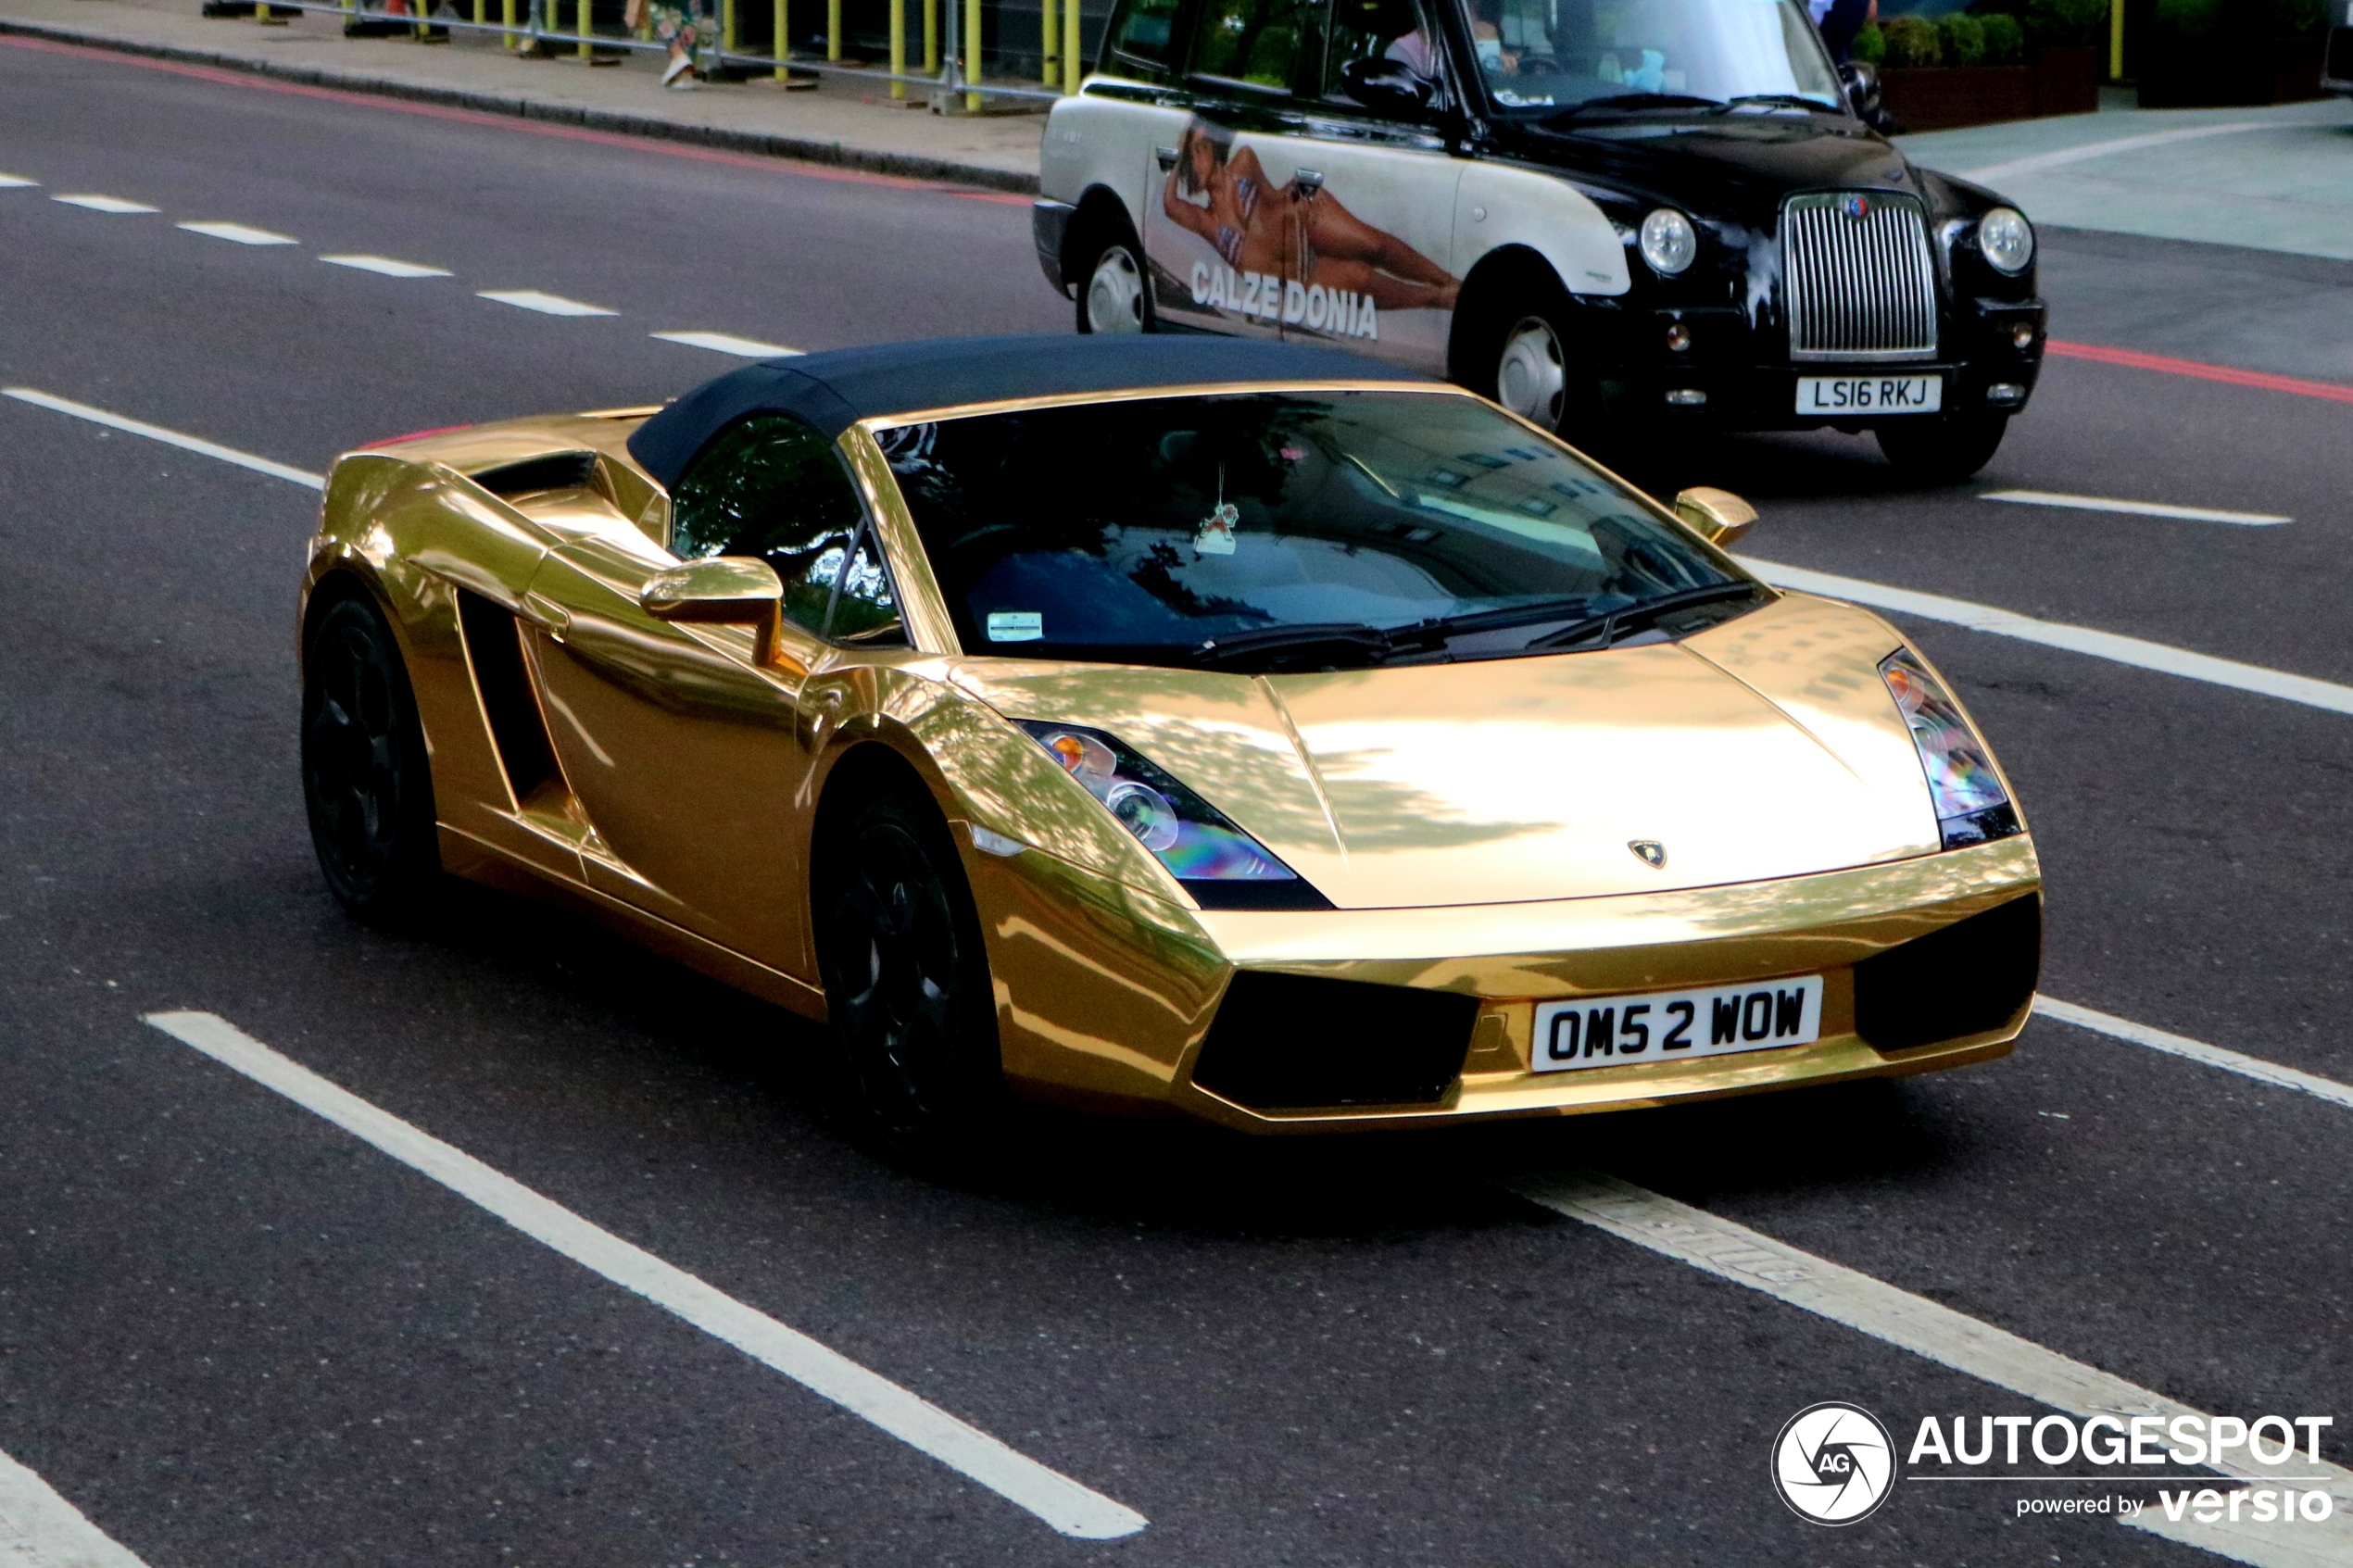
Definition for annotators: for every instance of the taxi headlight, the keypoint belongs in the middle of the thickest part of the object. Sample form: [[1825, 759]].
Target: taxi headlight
[[2006, 239], [1668, 241], [1186, 833], [1971, 805]]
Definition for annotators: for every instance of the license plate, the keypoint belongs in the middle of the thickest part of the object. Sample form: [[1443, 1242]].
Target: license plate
[[1869, 395], [1677, 1025]]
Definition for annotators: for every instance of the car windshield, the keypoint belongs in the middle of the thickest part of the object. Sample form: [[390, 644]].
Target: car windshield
[[1553, 57], [1287, 531]]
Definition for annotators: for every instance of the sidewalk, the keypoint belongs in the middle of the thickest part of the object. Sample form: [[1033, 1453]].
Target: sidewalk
[[2271, 179], [848, 122]]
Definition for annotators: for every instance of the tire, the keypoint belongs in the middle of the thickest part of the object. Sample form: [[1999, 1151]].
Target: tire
[[1942, 450], [366, 780], [906, 976], [1114, 283], [1512, 345]]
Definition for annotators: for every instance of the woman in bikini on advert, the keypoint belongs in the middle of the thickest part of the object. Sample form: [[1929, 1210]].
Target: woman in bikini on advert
[[1295, 232]]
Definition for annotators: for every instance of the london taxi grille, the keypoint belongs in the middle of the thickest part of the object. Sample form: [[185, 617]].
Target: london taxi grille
[[1858, 285]]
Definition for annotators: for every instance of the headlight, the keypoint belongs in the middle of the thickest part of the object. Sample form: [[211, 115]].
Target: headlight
[[1668, 241], [2006, 238], [1972, 805], [1222, 866]]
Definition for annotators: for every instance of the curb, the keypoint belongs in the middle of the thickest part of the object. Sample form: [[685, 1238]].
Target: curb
[[764, 144]]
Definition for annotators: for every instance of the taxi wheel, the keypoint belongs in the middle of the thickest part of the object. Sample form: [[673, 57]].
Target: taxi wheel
[[1531, 373], [1943, 450], [1112, 297], [365, 780], [907, 988], [1510, 343]]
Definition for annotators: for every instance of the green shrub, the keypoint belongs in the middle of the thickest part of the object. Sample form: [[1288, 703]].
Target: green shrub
[[2004, 40], [1962, 38], [2189, 26], [1869, 46], [1911, 41], [2064, 24]]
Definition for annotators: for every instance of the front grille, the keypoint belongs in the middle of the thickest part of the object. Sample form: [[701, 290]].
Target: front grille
[[1972, 976], [1858, 287], [1285, 1041]]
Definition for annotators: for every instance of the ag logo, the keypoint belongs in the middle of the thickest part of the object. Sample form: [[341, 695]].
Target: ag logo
[[1833, 1463]]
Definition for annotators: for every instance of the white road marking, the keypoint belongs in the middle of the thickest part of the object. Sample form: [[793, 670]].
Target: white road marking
[[15, 182], [741, 347], [168, 438], [106, 204], [40, 1529], [1927, 1328], [386, 266], [546, 304], [2066, 156], [2137, 509], [2252, 1066], [1070, 1508], [236, 233], [2144, 655]]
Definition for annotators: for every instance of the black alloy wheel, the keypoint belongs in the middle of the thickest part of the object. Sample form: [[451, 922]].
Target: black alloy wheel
[[907, 987], [1943, 450], [1114, 282], [365, 779]]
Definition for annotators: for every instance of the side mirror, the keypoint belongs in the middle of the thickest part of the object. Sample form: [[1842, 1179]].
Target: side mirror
[[1862, 88], [1388, 87], [1717, 516], [724, 591]]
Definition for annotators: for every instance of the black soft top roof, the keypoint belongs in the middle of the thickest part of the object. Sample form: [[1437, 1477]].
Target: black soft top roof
[[835, 389]]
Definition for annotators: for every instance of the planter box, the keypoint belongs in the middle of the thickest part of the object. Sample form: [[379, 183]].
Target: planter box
[[1941, 97], [2279, 70], [2068, 81]]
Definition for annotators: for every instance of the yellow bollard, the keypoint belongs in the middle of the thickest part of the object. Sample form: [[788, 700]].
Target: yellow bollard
[[972, 53], [1074, 62], [727, 27], [833, 30], [780, 26], [2116, 40], [931, 37], [1048, 27], [898, 47], [507, 16], [480, 15]]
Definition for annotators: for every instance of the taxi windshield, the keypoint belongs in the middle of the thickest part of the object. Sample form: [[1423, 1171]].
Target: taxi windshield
[[1553, 57], [1267, 532]]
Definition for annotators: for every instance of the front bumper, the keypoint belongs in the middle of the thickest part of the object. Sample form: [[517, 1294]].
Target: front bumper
[[1049, 228], [1106, 997]]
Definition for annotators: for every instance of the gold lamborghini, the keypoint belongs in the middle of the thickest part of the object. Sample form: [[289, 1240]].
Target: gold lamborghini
[[1220, 727]]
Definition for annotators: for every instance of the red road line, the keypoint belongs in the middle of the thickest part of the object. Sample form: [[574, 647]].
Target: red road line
[[256, 81], [2131, 359]]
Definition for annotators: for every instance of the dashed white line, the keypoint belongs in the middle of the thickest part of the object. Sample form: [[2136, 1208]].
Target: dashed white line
[[236, 233], [106, 204], [168, 438], [2136, 509], [1927, 1328], [16, 183], [2252, 1066], [721, 343], [1069, 1507], [546, 304], [2135, 651], [40, 1529], [386, 266]]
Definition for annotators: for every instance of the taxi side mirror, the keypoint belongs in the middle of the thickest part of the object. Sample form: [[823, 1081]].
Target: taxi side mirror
[[724, 591], [1717, 516], [1861, 81], [1388, 87]]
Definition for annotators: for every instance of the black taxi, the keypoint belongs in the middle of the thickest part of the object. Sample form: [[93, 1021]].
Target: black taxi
[[1610, 216]]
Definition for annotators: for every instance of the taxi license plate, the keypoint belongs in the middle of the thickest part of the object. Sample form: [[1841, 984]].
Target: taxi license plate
[[1869, 395], [1677, 1025]]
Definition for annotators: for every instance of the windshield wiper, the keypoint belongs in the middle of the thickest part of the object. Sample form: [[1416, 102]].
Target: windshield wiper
[[1609, 628], [1791, 100], [1633, 103], [1351, 641], [1438, 628]]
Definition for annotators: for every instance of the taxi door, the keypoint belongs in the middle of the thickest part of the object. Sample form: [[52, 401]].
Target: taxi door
[[1293, 210]]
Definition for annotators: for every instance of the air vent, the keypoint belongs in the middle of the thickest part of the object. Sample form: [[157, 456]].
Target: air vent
[[494, 647], [1969, 977], [565, 471], [1283, 1041]]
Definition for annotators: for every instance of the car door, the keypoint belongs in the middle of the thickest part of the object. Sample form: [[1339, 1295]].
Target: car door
[[1289, 208], [684, 747]]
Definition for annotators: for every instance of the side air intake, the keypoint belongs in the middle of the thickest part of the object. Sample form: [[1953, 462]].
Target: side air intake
[[1969, 977], [1285, 1041], [493, 647]]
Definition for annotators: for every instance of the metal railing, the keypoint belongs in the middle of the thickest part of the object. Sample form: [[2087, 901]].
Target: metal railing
[[951, 71]]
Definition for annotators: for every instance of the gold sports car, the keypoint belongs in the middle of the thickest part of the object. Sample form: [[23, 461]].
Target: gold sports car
[[1219, 727]]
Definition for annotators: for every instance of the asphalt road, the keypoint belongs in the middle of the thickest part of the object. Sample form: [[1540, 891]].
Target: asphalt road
[[231, 1333]]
